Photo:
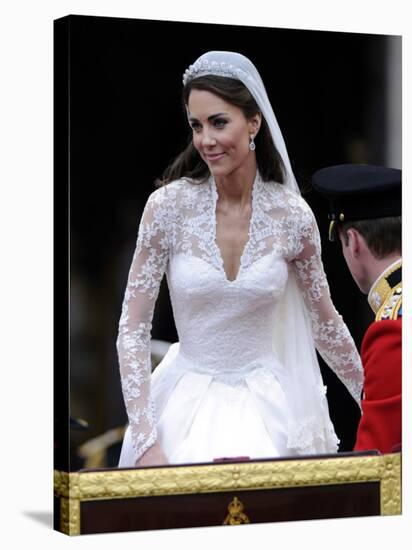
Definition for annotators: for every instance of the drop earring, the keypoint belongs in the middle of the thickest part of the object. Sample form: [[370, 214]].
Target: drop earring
[[252, 145]]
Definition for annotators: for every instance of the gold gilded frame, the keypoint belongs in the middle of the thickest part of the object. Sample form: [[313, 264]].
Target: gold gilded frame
[[74, 488]]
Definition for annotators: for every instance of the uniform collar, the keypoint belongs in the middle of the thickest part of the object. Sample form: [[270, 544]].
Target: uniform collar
[[384, 284]]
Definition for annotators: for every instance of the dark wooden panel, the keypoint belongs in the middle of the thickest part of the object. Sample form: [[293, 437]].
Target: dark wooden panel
[[200, 510]]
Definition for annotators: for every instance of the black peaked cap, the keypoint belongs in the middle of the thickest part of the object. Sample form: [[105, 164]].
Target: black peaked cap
[[359, 192]]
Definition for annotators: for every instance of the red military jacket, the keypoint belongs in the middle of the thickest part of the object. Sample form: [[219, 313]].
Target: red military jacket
[[380, 426]]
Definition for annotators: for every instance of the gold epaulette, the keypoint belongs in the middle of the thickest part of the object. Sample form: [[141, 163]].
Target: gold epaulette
[[391, 307]]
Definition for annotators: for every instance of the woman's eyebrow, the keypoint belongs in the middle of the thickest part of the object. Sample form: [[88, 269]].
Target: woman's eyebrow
[[211, 117]]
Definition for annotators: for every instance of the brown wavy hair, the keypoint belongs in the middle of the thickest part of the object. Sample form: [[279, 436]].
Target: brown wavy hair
[[190, 164]]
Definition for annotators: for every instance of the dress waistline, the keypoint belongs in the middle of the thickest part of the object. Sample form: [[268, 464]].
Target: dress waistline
[[267, 361]]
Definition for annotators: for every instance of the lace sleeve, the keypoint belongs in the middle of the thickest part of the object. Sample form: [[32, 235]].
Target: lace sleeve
[[331, 335], [133, 341]]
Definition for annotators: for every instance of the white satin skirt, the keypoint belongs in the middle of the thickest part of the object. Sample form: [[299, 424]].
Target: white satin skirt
[[206, 414]]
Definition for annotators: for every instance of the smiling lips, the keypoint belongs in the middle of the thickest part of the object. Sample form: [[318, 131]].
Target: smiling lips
[[214, 157]]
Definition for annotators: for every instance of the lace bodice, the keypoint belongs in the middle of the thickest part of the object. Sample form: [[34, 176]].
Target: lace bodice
[[224, 326]]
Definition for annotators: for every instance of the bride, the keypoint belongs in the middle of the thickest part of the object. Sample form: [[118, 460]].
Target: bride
[[241, 252]]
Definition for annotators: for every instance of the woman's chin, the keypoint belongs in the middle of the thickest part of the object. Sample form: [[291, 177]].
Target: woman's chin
[[218, 170]]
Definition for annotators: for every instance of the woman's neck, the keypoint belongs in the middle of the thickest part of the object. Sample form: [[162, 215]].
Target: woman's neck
[[235, 189]]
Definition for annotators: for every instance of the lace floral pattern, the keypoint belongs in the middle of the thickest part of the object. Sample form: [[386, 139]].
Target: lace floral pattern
[[133, 342], [177, 235], [331, 335]]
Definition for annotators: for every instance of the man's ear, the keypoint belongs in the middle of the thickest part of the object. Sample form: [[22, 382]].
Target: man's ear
[[356, 242]]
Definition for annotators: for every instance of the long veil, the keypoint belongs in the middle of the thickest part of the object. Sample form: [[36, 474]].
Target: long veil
[[310, 429]]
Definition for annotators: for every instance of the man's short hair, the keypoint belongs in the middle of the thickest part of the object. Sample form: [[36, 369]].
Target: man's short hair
[[383, 235]]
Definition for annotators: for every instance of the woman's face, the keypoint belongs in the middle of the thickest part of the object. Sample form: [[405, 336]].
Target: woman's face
[[221, 132]]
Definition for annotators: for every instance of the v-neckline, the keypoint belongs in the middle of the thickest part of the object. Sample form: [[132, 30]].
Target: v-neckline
[[215, 197]]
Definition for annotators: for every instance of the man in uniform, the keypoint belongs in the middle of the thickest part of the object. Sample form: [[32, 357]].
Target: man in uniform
[[365, 215]]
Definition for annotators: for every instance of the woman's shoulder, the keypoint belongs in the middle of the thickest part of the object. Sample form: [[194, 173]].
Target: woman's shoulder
[[166, 192], [178, 193], [180, 185], [285, 198]]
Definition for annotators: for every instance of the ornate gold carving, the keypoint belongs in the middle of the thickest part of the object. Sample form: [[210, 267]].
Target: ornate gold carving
[[67, 487], [236, 516], [157, 481], [391, 485], [123, 483], [70, 516]]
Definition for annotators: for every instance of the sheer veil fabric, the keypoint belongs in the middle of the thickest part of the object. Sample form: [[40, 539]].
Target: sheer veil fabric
[[236, 65], [302, 317], [293, 339]]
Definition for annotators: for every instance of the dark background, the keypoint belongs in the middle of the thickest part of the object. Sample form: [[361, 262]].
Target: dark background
[[126, 123]]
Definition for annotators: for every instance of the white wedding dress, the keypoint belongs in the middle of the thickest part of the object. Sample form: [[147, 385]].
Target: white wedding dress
[[243, 380]]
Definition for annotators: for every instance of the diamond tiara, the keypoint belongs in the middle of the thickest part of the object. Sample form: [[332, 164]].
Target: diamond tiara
[[204, 67]]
